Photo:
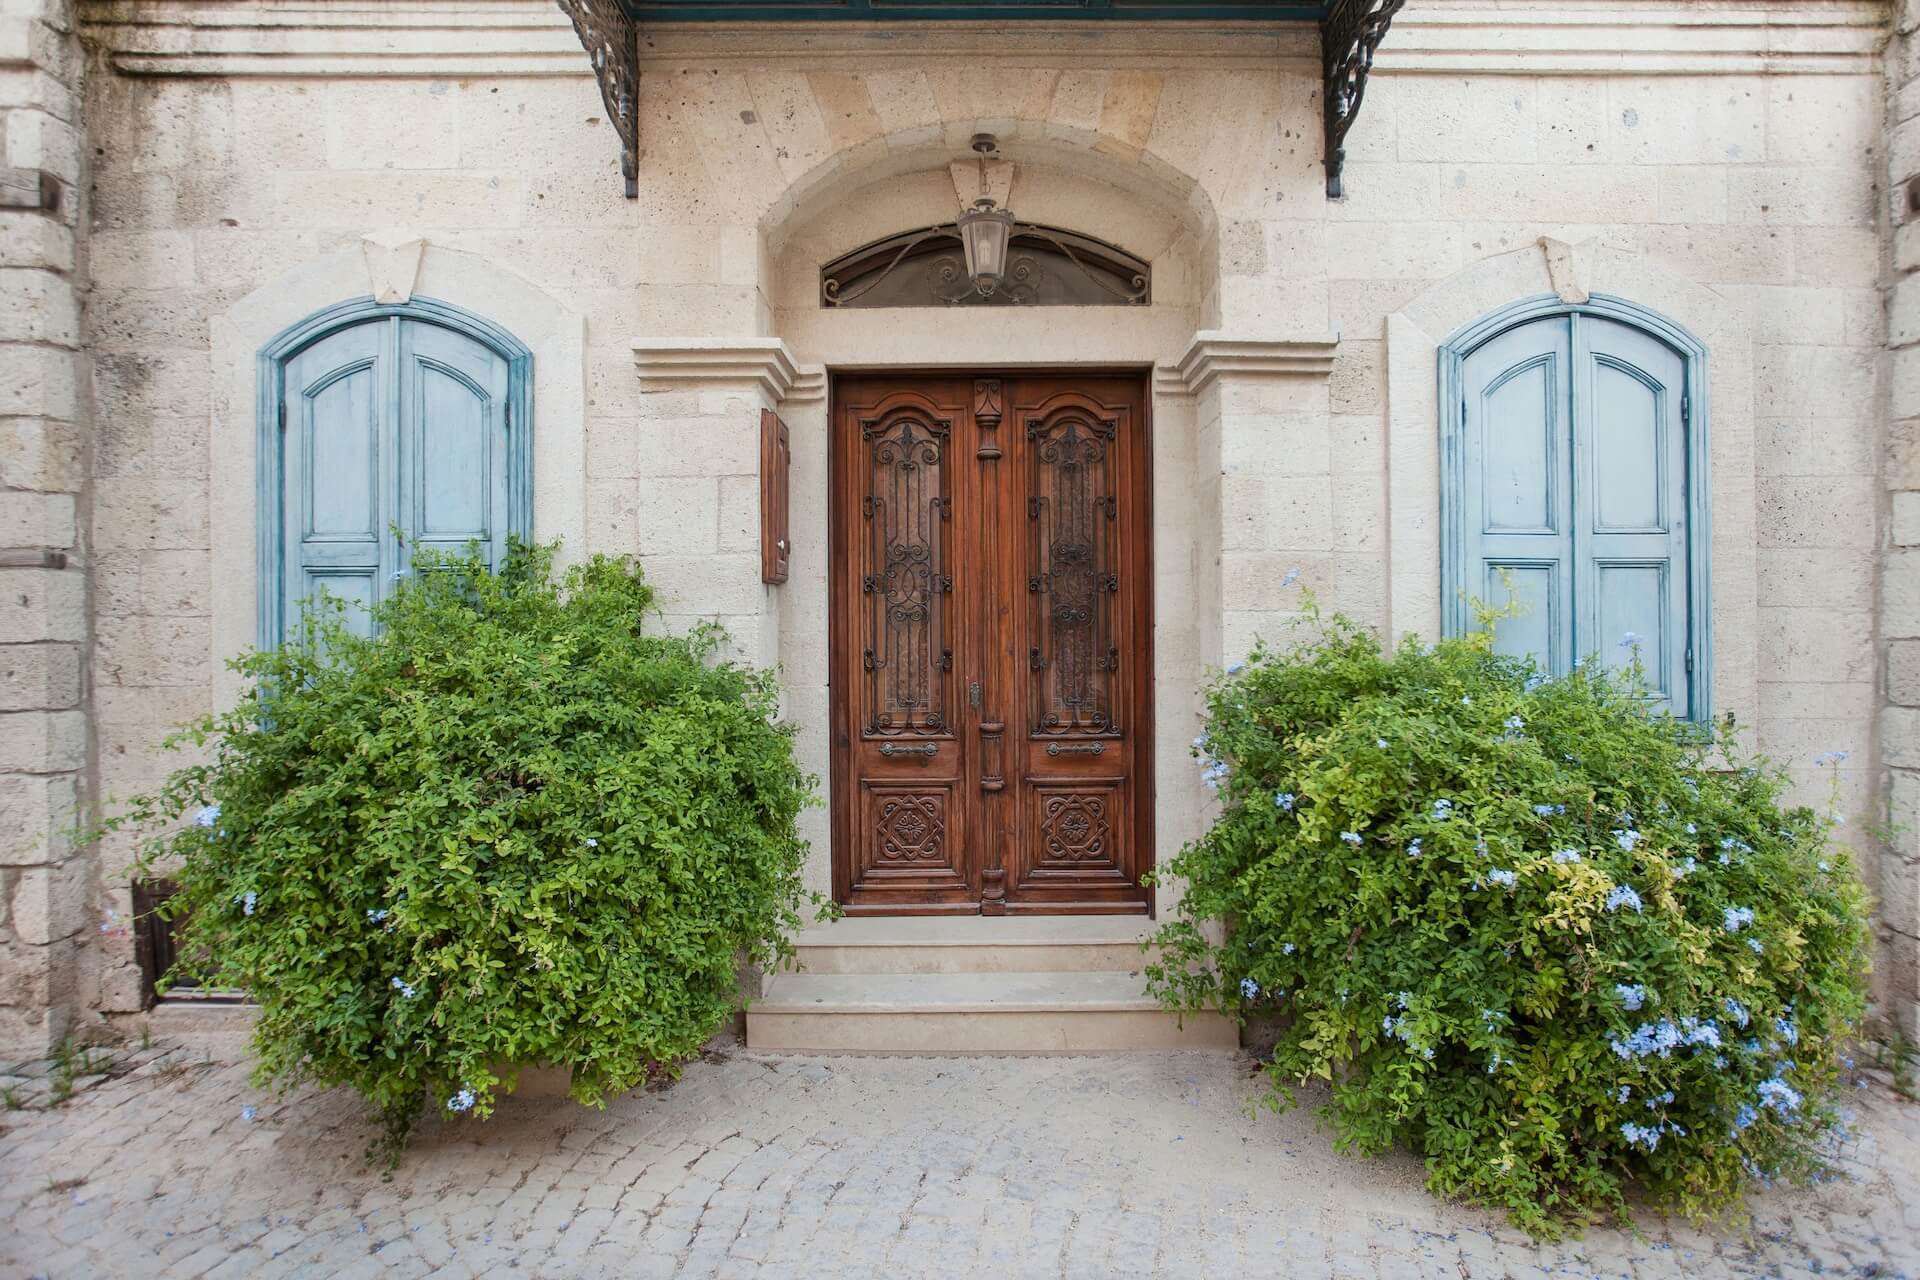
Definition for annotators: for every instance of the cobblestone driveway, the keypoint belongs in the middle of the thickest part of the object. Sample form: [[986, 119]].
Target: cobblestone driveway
[[767, 1166]]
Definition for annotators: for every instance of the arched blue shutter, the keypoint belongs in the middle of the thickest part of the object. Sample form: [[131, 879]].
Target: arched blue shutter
[[390, 423], [1573, 487]]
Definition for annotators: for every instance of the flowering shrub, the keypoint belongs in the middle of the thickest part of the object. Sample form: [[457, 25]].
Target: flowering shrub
[[511, 829], [1549, 940]]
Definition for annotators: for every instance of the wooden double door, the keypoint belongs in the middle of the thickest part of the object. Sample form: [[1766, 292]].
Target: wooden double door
[[991, 638]]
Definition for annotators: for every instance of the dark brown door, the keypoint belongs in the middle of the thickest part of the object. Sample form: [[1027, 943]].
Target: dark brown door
[[990, 643]]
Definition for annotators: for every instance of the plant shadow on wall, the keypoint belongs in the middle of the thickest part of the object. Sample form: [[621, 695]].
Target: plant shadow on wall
[[508, 829], [1560, 944]]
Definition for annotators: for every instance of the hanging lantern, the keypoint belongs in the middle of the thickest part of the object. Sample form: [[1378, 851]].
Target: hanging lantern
[[984, 232]]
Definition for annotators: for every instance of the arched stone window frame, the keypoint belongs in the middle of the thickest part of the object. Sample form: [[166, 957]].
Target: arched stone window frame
[[554, 334], [1452, 355], [270, 454], [1414, 334]]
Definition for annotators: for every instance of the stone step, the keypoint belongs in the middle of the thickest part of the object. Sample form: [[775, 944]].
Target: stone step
[[974, 944], [994, 1012]]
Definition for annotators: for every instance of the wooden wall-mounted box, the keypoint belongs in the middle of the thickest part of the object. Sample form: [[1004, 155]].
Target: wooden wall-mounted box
[[776, 461]]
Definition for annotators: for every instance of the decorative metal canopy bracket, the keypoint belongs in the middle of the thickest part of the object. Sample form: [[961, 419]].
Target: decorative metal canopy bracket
[[608, 35], [1349, 34]]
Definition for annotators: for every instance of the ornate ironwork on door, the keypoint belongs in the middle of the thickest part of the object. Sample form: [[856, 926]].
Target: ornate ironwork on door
[[1072, 574], [905, 579], [1046, 266]]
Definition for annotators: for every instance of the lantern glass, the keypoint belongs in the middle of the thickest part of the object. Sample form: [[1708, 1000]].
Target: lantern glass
[[984, 232]]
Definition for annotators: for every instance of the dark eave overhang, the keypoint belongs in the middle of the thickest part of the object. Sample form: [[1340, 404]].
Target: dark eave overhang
[[1350, 31]]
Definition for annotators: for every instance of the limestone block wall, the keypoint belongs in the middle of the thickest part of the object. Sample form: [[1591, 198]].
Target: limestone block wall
[[1728, 159], [1900, 581], [44, 629]]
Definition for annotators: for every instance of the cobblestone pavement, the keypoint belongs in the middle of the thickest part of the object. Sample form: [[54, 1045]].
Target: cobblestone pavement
[[758, 1165]]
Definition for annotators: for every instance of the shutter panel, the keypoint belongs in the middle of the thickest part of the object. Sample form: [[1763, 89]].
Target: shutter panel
[[1517, 473], [1632, 534], [453, 441], [336, 467]]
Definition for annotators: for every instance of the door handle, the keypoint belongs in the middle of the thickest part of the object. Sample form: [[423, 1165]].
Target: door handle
[[889, 749], [1076, 748], [973, 693]]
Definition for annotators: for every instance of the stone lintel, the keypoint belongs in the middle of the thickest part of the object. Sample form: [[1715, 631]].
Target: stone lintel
[[1215, 352], [690, 364]]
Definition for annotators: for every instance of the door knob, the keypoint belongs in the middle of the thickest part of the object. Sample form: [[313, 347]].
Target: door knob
[[973, 693]]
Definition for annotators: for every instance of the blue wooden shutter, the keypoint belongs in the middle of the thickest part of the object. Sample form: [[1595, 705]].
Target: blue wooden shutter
[[337, 466], [1517, 481], [390, 423], [1573, 488], [1629, 433], [453, 441]]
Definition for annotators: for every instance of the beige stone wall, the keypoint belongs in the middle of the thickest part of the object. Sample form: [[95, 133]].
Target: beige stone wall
[[1900, 578], [43, 536], [1721, 162]]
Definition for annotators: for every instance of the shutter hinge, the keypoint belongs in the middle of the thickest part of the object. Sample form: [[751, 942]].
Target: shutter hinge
[[283, 415], [1689, 659], [1686, 410]]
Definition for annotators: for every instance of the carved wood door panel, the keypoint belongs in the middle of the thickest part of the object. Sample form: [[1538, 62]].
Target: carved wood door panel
[[990, 643]]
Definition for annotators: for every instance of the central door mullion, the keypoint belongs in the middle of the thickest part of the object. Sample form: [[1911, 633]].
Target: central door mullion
[[988, 626]]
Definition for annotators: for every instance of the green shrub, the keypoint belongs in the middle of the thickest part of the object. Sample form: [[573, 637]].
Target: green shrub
[[1554, 943], [511, 829]]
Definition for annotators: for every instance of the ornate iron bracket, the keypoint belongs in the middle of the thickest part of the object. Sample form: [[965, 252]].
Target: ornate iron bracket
[[608, 35], [1349, 34]]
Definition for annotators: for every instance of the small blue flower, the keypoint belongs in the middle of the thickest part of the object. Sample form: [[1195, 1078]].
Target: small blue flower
[[1293, 576], [1284, 801], [1200, 743], [1515, 723], [1351, 837], [1549, 810], [1564, 856], [1629, 640], [376, 916], [1788, 1032], [1626, 840], [1504, 878], [1235, 668], [1626, 1091], [1535, 680], [1427, 1053], [1756, 946], [1685, 867], [1780, 1096], [247, 901], [1692, 830], [1413, 850], [1631, 996], [1442, 809], [1249, 988], [207, 816], [1744, 1117], [1647, 1136], [1734, 918], [248, 1113], [1831, 757], [1380, 743], [1736, 1010], [461, 1101], [1286, 948], [1623, 896], [1465, 700], [403, 987], [1480, 846]]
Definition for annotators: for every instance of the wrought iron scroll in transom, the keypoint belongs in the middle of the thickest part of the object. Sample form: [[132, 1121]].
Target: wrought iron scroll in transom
[[1046, 266], [1073, 577], [1349, 33], [904, 580], [606, 31]]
